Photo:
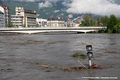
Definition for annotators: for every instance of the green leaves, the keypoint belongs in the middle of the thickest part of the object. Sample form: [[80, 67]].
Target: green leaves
[[79, 55], [88, 20], [116, 28], [113, 25]]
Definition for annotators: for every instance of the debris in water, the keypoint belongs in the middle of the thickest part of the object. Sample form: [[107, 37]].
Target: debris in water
[[49, 68], [6, 70]]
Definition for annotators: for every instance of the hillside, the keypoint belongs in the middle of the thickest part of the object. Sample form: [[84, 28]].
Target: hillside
[[57, 9]]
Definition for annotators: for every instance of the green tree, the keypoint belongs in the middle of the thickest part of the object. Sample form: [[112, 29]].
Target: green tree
[[111, 23], [104, 21], [116, 28], [88, 20]]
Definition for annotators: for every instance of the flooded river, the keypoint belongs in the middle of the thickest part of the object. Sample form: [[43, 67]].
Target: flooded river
[[28, 57]]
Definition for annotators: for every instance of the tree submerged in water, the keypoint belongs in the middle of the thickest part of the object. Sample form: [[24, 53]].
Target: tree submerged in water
[[79, 55]]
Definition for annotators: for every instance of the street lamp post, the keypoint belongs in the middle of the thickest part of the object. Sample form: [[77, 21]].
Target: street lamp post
[[89, 54]]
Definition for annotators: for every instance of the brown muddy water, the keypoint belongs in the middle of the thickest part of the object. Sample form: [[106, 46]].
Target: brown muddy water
[[43, 56]]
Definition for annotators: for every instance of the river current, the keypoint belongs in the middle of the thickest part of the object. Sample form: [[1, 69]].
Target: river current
[[22, 55]]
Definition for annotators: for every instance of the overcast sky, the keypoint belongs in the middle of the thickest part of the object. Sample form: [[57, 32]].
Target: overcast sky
[[98, 7]]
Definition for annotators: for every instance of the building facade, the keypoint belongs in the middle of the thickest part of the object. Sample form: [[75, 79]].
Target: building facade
[[2, 20], [26, 18], [41, 22], [5, 14], [17, 20], [70, 23], [56, 22]]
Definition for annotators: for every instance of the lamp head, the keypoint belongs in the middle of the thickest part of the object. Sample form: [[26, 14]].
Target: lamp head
[[90, 54], [89, 48]]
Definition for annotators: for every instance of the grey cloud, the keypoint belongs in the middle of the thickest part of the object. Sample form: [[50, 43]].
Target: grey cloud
[[99, 7]]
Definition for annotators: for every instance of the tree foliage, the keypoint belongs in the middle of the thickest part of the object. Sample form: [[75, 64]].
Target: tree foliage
[[104, 21], [111, 22], [88, 21], [116, 28]]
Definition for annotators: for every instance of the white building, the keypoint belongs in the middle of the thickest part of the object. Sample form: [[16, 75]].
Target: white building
[[2, 17], [27, 17], [2, 20], [70, 23], [56, 22], [41, 22], [17, 20], [4, 9], [7, 16]]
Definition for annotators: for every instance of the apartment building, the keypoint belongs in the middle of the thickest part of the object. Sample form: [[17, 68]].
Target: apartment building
[[2, 17], [2, 20], [55, 22], [17, 21], [25, 18], [41, 22], [4, 13]]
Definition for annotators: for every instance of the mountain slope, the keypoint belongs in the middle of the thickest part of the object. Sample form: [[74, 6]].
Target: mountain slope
[[57, 8]]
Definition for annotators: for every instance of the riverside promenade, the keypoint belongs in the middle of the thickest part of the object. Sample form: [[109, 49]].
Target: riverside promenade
[[32, 30]]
